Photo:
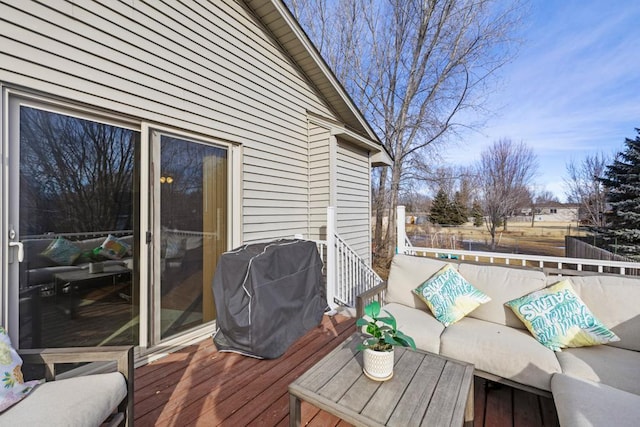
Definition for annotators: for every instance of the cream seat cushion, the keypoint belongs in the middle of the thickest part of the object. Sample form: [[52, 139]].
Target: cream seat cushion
[[419, 325], [80, 401], [502, 284], [501, 350], [614, 301], [583, 403], [605, 364]]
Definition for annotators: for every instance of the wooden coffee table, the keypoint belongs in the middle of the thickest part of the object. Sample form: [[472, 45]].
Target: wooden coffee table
[[426, 389]]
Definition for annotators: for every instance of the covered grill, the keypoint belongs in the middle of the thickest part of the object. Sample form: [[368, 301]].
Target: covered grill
[[267, 295]]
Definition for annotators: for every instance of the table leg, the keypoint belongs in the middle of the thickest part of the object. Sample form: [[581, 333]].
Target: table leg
[[70, 299], [294, 411], [74, 301], [469, 410]]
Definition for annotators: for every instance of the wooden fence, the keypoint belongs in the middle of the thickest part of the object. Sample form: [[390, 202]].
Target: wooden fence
[[579, 247]]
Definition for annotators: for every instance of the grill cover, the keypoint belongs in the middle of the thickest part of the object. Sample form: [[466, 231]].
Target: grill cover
[[267, 295]]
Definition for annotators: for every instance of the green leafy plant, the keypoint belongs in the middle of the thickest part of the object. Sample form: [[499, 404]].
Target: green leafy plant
[[384, 330]]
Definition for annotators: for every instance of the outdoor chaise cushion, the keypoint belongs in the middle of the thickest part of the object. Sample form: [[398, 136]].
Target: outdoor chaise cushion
[[78, 401], [419, 325], [501, 350], [583, 403], [612, 366], [502, 284]]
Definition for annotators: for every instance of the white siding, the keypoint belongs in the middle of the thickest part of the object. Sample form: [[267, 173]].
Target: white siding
[[319, 182], [353, 198], [208, 67]]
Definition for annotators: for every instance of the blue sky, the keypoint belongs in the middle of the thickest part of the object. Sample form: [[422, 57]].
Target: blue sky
[[573, 89]]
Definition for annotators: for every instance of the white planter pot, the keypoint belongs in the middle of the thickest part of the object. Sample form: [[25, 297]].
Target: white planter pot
[[378, 365]]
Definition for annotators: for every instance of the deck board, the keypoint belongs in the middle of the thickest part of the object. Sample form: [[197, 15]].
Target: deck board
[[200, 386]]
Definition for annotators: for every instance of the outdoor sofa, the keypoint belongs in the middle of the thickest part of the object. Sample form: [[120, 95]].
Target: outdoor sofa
[[40, 269], [591, 386], [45, 258]]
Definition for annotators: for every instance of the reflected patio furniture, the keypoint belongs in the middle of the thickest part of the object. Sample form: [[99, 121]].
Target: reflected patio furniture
[[72, 282], [31, 305]]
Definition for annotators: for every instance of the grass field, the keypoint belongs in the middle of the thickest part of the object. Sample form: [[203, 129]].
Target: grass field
[[544, 238]]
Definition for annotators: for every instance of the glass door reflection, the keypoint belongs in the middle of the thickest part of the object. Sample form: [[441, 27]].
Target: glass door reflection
[[193, 224], [76, 219]]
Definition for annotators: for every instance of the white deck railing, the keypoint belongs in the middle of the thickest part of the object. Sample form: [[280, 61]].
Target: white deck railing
[[552, 265], [347, 273], [354, 275]]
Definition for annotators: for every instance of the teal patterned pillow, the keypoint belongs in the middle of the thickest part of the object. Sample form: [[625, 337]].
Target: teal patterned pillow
[[13, 388], [557, 317], [449, 296], [113, 248], [62, 252]]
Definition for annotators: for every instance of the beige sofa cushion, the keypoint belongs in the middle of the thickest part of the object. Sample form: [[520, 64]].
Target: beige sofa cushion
[[614, 301], [419, 325], [500, 350], [582, 403], [502, 284], [407, 273], [605, 364], [79, 401]]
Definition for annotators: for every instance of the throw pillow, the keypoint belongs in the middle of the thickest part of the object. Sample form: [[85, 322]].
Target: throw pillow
[[449, 296], [175, 247], [113, 248], [13, 387], [557, 317], [62, 252]]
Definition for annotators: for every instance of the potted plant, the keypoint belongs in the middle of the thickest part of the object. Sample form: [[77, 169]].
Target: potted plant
[[378, 355]]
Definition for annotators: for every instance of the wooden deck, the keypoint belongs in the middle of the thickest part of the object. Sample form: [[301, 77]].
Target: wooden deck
[[199, 386]]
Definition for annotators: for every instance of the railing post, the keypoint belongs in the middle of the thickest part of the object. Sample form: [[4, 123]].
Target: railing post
[[332, 259], [400, 230]]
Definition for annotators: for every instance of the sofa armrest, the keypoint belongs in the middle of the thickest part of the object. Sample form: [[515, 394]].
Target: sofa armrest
[[376, 293], [122, 355]]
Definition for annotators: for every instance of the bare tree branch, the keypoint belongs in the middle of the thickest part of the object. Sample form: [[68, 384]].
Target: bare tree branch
[[583, 186], [412, 66], [505, 172]]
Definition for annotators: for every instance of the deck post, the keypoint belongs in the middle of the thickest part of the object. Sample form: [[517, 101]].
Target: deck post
[[332, 259], [400, 230]]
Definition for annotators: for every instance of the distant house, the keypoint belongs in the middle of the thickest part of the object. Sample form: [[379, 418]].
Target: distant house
[[554, 211], [150, 137]]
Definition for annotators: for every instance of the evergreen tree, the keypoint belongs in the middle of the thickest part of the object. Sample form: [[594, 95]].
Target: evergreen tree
[[476, 213], [459, 213], [622, 182], [440, 208]]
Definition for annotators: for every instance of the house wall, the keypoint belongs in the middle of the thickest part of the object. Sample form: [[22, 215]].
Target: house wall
[[319, 180], [353, 198], [558, 215], [212, 70]]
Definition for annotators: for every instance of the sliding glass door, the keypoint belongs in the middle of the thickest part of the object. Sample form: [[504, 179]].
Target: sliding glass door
[[111, 229], [72, 228], [190, 222]]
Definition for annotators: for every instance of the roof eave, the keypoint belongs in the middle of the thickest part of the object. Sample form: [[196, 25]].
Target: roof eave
[[277, 17]]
